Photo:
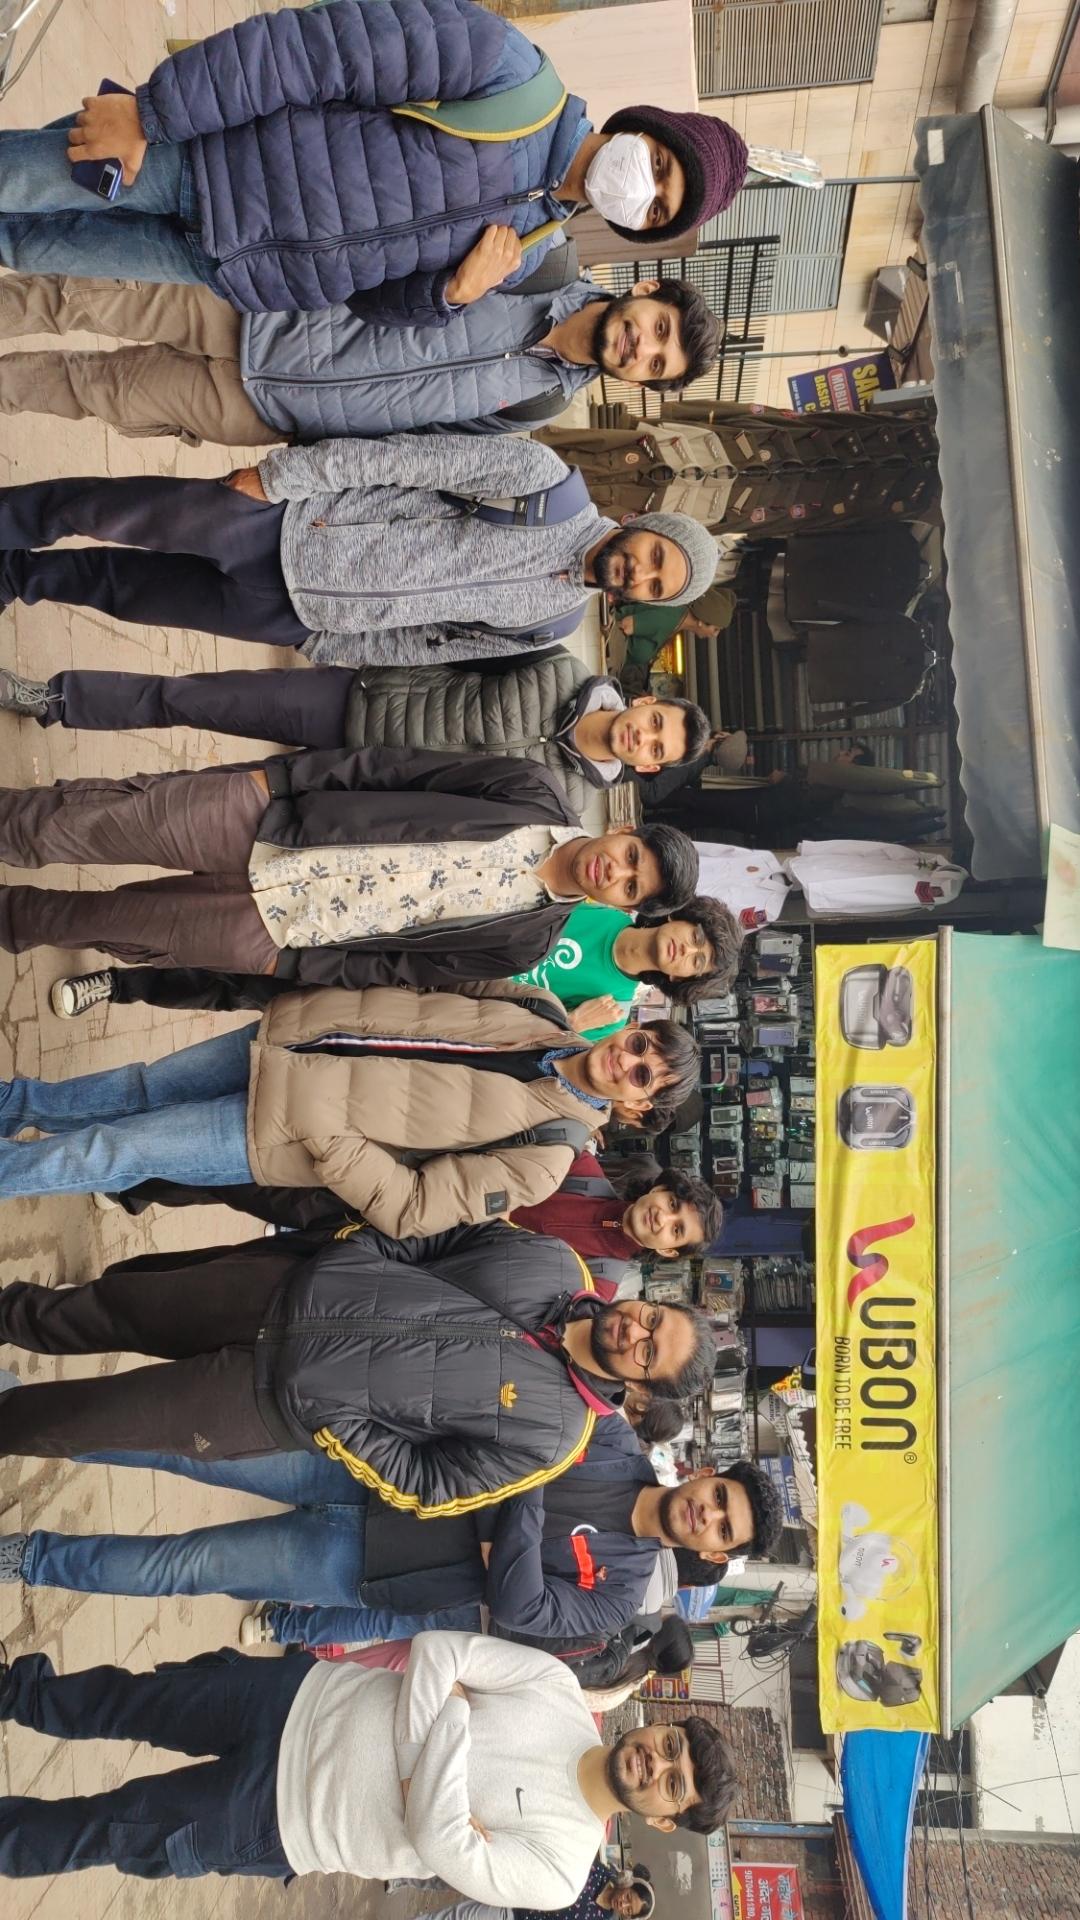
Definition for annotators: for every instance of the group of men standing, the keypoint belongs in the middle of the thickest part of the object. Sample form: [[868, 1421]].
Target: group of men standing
[[340, 227]]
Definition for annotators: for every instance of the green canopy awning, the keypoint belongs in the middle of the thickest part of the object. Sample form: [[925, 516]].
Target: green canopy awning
[[1009, 1310]]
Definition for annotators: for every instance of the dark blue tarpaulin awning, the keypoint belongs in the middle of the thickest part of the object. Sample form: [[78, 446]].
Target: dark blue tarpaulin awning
[[880, 1775]]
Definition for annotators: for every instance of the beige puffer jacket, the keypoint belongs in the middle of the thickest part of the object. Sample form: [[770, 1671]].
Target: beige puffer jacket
[[331, 1120]]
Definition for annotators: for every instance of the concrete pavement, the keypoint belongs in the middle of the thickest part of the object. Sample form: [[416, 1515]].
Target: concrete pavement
[[69, 1239]]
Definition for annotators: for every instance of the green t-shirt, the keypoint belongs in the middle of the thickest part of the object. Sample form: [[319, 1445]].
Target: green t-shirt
[[581, 964]]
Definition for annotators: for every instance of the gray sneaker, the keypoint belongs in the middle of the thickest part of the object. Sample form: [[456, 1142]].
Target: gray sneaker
[[29, 697], [12, 1551], [77, 992]]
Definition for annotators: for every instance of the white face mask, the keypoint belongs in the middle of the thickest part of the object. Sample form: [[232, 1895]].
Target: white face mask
[[619, 182]]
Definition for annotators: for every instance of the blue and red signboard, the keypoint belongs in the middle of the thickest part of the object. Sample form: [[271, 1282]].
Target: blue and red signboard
[[848, 387]]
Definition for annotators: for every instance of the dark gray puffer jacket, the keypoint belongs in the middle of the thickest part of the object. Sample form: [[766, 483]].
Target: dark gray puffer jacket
[[527, 711]]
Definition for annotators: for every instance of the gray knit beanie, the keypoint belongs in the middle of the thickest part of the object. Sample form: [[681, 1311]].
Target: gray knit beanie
[[694, 540]]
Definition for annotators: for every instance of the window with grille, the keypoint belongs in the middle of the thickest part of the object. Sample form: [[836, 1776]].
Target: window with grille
[[811, 232], [761, 46]]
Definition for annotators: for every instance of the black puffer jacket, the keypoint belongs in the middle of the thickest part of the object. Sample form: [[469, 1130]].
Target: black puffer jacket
[[409, 1362], [527, 710]]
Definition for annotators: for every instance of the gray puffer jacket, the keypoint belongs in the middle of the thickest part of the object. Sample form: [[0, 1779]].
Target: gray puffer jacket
[[317, 376], [527, 711]]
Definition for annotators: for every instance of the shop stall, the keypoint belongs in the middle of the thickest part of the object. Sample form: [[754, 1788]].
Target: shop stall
[[948, 1302]]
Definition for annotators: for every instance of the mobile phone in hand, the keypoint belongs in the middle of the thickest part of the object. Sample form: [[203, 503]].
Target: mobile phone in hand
[[103, 177]]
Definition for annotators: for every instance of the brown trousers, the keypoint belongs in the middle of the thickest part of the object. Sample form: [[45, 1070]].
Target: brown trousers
[[184, 379], [202, 823]]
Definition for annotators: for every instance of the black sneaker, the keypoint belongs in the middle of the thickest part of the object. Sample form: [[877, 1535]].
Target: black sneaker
[[78, 992], [29, 697]]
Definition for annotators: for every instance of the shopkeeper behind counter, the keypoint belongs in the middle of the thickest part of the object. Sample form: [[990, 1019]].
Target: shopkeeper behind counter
[[649, 628]]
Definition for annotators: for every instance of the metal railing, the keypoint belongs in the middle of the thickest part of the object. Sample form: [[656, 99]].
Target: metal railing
[[14, 15]]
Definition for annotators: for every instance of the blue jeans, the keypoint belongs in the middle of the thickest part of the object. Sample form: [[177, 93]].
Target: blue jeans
[[313, 1554], [183, 1118], [218, 1816], [48, 224]]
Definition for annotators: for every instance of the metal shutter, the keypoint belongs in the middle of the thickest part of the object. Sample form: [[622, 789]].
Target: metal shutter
[[762, 46], [812, 230]]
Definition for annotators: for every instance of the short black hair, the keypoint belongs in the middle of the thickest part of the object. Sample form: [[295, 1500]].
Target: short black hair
[[765, 1506], [635, 1175], [695, 1375], [661, 1420], [698, 730], [715, 1777], [724, 935], [687, 1189], [672, 1646], [668, 1650], [699, 333], [678, 860]]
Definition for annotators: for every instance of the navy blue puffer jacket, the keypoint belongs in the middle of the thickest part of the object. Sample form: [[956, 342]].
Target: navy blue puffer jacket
[[309, 188]]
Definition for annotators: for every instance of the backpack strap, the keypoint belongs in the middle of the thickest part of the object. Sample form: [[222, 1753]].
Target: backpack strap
[[538, 411], [550, 1133], [558, 628], [548, 507], [512, 114], [574, 1134], [540, 1005], [590, 1186], [559, 268]]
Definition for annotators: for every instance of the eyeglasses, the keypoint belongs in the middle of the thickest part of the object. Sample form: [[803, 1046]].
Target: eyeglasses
[[638, 1044], [644, 1351]]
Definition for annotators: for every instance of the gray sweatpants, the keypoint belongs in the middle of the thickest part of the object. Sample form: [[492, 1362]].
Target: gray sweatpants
[[182, 379]]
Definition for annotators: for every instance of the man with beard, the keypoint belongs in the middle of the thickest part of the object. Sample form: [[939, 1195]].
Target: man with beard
[[567, 1562], [444, 1373], [479, 1765], [511, 359], [547, 708], [401, 550]]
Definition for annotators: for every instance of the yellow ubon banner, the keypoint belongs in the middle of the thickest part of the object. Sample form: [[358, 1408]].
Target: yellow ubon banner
[[878, 1645]]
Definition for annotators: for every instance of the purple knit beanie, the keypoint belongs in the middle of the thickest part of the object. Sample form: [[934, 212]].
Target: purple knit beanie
[[713, 157]]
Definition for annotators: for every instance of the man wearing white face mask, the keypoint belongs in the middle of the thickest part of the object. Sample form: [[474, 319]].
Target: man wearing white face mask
[[437, 107], [620, 182]]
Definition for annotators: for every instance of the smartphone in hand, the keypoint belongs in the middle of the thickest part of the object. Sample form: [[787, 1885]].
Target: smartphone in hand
[[103, 177]]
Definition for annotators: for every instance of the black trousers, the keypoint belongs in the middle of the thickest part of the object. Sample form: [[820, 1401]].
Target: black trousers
[[299, 1209], [197, 989], [202, 1311], [296, 706], [219, 1816], [189, 553]]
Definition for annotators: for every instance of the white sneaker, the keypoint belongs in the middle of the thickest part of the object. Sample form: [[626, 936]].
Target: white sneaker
[[78, 992], [106, 1202], [255, 1629]]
